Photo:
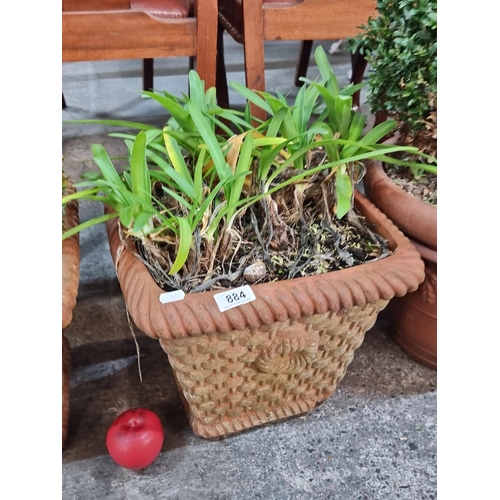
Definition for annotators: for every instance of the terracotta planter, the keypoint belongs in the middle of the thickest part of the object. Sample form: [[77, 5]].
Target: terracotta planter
[[276, 356], [70, 280], [412, 317]]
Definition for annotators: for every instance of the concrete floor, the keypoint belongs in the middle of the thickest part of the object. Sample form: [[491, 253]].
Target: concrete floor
[[375, 438]]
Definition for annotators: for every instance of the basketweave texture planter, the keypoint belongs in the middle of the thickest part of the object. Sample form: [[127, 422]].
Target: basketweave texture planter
[[413, 318], [70, 281], [277, 356]]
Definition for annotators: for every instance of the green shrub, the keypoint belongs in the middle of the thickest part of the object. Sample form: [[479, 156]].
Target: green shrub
[[400, 46]]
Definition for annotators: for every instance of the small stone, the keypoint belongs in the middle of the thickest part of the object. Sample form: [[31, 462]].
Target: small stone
[[254, 272]]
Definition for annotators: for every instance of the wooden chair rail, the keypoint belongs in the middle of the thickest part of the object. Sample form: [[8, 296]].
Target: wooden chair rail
[[316, 19], [135, 35]]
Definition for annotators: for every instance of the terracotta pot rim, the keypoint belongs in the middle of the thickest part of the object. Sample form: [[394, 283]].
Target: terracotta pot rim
[[198, 313], [70, 264], [427, 254], [416, 218]]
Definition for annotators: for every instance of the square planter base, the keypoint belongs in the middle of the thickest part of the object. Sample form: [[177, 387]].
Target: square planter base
[[236, 380]]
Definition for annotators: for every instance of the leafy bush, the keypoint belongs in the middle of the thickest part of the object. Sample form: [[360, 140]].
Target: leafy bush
[[400, 46]]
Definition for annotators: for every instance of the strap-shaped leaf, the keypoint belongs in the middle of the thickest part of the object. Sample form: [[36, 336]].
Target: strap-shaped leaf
[[343, 188], [80, 194], [268, 157], [357, 125], [325, 70], [331, 146], [242, 167], [427, 167], [276, 103], [288, 126], [211, 96], [211, 196], [232, 149], [343, 105], [210, 139], [251, 96], [176, 157], [110, 174], [185, 241], [139, 171], [304, 106], [370, 139], [197, 90], [352, 89], [87, 224], [198, 176], [127, 216], [175, 179], [379, 131], [371, 153], [176, 196], [330, 100], [242, 123], [187, 140], [113, 123], [177, 111], [142, 222]]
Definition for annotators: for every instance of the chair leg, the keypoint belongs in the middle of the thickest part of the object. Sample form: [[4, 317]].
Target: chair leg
[[253, 35], [358, 66], [206, 40], [147, 74], [220, 75], [303, 62], [63, 102], [192, 65]]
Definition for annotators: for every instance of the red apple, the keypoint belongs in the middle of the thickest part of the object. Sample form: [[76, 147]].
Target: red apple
[[135, 438]]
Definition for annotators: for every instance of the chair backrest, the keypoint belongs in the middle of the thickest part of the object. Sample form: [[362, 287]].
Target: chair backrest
[[90, 5], [231, 12], [172, 9], [252, 22], [169, 8], [316, 19], [95, 30]]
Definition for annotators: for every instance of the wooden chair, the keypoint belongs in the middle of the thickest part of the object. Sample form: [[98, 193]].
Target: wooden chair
[[251, 22], [94, 30]]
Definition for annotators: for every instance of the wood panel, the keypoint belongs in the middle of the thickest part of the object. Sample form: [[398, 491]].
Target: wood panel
[[135, 35], [89, 5], [317, 19], [206, 40]]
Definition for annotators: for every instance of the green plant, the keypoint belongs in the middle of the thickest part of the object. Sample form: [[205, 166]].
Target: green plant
[[68, 189], [400, 46], [323, 112], [210, 193]]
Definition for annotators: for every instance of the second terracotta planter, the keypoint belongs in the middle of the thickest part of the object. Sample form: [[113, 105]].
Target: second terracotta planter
[[413, 318], [70, 281], [278, 355]]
